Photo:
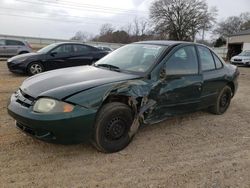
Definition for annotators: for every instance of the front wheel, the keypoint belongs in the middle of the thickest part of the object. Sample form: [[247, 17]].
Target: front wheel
[[35, 68], [222, 102], [112, 127]]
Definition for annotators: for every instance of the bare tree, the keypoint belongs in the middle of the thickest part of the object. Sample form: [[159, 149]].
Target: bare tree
[[246, 25], [143, 26], [127, 28], [181, 19], [82, 36], [106, 29], [233, 25], [132, 32], [136, 27], [209, 20], [139, 26]]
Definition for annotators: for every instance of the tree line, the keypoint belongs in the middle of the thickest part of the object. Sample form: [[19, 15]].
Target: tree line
[[173, 20]]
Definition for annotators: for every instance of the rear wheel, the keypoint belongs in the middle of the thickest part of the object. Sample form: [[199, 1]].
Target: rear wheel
[[112, 126], [223, 101], [35, 68]]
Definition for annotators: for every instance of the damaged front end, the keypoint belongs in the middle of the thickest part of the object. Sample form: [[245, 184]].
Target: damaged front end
[[138, 92], [146, 105], [135, 93]]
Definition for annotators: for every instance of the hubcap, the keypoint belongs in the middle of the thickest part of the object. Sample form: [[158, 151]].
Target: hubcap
[[115, 129], [36, 68]]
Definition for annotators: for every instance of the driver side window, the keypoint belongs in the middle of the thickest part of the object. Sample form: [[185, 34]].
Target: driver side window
[[183, 62]]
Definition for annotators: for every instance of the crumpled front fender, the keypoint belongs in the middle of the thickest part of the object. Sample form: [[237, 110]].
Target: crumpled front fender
[[136, 92]]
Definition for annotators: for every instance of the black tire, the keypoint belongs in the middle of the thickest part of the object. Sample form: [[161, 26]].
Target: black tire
[[222, 102], [35, 68], [112, 126]]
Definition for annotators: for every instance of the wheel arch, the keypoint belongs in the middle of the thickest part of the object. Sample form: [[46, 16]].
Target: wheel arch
[[35, 61], [116, 98], [232, 86], [23, 52]]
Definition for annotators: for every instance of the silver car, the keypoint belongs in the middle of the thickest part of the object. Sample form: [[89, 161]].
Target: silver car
[[9, 47], [105, 48], [242, 59]]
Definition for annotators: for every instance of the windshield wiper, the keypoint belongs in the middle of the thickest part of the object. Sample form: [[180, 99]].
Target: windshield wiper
[[111, 67]]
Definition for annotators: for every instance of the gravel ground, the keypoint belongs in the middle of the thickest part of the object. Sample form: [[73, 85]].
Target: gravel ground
[[195, 150]]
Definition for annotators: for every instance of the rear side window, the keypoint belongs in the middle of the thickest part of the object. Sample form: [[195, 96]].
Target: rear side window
[[14, 43], [63, 49], [207, 60], [81, 49], [217, 61], [2, 42], [106, 48], [183, 62]]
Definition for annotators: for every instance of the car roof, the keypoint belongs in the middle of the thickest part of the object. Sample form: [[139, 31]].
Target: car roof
[[69, 43], [12, 39], [164, 42], [60, 43]]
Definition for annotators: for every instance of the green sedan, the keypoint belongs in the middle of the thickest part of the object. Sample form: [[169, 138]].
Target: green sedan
[[138, 84]]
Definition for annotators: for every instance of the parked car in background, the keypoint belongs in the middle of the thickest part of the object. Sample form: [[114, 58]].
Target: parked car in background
[[105, 48], [9, 47], [242, 59], [55, 56], [140, 83]]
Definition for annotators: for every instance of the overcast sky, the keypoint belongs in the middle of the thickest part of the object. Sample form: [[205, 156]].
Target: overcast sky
[[62, 18]]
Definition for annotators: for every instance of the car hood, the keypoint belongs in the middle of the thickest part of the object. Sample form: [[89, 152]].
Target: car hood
[[62, 83], [241, 57], [23, 57]]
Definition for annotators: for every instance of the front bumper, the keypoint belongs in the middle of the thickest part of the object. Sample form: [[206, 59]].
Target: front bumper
[[247, 63], [63, 128], [16, 67]]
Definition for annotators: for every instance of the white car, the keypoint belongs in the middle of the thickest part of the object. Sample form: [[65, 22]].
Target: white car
[[242, 59]]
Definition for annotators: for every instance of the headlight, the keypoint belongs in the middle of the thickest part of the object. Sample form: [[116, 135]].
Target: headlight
[[47, 105]]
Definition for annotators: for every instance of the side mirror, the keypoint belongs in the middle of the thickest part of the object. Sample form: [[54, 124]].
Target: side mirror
[[163, 74], [53, 53]]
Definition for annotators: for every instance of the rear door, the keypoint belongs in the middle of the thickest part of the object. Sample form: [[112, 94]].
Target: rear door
[[2, 47], [213, 75], [82, 55], [13, 46]]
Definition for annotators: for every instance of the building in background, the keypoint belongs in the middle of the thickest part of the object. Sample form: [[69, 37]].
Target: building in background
[[238, 42]]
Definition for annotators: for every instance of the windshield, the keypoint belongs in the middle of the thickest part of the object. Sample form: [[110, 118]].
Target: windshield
[[47, 48], [245, 53], [132, 57]]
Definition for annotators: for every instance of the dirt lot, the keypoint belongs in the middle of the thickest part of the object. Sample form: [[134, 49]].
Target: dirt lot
[[196, 150]]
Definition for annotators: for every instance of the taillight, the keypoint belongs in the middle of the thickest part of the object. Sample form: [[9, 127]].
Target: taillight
[[29, 45]]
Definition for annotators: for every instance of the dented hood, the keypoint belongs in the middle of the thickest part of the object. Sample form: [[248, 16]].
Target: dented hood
[[65, 82]]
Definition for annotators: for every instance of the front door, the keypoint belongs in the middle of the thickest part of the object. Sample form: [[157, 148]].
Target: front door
[[59, 57], [180, 89]]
